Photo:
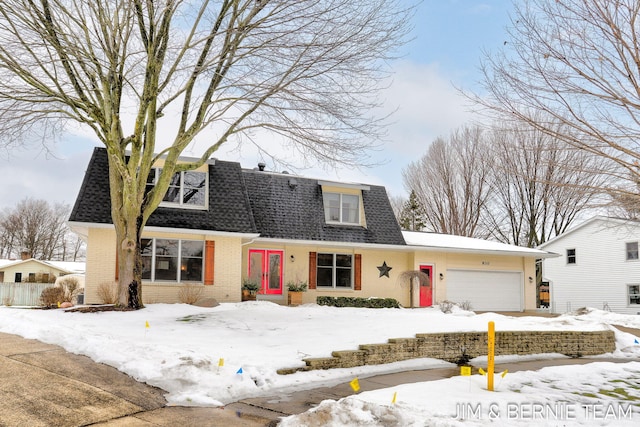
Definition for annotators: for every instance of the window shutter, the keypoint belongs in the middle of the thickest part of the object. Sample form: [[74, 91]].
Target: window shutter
[[313, 264], [209, 256], [357, 274]]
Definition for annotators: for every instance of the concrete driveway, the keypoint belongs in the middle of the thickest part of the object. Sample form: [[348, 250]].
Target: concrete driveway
[[43, 385]]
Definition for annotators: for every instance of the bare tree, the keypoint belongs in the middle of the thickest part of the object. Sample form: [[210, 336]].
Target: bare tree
[[306, 70], [35, 227], [626, 205], [397, 202], [574, 62], [451, 182], [512, 183], [539, 187]]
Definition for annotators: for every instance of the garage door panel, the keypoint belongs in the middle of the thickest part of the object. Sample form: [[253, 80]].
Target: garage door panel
[[486, 290]]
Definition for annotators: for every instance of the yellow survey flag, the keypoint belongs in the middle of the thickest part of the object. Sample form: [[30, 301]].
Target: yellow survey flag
[[355, 384], [395, 395], [481, 371], [504, 373], [221, 362], [465, 371], [146, 324]]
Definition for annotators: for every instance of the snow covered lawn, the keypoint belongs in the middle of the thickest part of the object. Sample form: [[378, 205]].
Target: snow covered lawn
[[595, 394], [213, 356]]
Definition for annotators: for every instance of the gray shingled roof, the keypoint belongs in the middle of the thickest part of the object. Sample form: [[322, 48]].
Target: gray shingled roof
[[228, 203], [248, 201], [296, 212]]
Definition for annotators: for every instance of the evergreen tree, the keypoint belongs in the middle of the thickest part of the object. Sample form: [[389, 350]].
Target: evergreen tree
[[412, 217]]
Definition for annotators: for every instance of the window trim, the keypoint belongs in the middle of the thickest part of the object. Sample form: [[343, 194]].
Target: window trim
[[181, 204], [637, 251], [333, 272], [340, 195], [572, 259], [629, 303], [178, 280]]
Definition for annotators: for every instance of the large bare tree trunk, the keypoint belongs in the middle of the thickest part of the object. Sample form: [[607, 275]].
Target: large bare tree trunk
[[306, 71]]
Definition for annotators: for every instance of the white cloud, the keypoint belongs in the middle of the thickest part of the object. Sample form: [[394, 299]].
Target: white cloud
[[34, 173], [427, 106]]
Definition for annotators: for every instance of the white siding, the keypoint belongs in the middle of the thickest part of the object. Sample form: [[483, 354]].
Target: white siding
[[600, 276]]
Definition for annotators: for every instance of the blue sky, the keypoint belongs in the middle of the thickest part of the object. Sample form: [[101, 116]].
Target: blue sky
[[448, 39]]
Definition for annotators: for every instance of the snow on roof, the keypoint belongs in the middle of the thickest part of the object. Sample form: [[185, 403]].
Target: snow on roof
[[451, 243], [65, 266], [4, 262], [610, 221], [71, 266]]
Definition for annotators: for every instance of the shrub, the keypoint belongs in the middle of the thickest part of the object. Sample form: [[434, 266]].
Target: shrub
[[189, 293], [250, 285], [70, 288], [50, 297], [108, 292], [297, 286], [465, 305], [358, 302], [446, 306]]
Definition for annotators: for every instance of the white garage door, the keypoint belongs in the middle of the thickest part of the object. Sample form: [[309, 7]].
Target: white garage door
[[486, 290]]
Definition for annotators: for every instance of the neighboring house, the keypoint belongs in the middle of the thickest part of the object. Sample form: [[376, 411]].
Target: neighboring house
[[35, 271], [599, 267], [221, 224]]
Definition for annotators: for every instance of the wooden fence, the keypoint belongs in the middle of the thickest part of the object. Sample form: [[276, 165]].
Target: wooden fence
[[22, 294]]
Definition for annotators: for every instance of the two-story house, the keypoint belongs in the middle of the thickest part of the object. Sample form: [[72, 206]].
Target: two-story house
[[221, 224], [599, 267]]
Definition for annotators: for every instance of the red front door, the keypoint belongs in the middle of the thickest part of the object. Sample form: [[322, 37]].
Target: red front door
[[426, 287], [265, 268]]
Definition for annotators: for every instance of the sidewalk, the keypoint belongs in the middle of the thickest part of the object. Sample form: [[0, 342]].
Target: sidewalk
[[296, 403], [43, 385]]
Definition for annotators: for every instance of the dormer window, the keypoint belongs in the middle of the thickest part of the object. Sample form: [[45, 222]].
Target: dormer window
[[341, 208], [186, 189], [343, 203]]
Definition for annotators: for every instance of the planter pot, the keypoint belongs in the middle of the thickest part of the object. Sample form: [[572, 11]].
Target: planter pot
[[294, 298], [248, 295]]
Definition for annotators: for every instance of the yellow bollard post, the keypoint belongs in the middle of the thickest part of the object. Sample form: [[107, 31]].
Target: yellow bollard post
[[491, 342]]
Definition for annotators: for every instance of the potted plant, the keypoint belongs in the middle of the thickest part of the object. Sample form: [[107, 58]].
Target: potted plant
[[295, 290], [249, 290]]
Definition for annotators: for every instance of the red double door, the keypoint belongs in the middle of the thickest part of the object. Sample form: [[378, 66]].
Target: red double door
[[265, 268]]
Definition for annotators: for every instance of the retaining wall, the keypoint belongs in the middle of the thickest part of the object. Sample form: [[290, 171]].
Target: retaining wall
[[459, 347]]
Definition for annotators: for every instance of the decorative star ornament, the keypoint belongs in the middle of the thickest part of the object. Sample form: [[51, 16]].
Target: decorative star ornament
[[384, 269]]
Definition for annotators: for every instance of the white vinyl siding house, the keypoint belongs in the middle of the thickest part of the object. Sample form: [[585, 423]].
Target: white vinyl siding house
[[605, 272]]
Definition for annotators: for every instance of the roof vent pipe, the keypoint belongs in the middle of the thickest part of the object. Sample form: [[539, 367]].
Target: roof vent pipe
[[261, 166]]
